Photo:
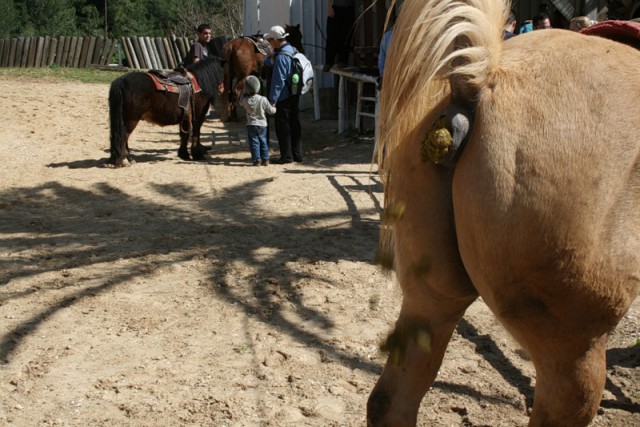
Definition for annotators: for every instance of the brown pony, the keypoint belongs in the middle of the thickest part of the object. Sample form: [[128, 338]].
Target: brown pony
[[539, 214], [134, 97], [243, 56]]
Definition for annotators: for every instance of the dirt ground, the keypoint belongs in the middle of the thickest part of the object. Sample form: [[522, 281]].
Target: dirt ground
[[217, 293]]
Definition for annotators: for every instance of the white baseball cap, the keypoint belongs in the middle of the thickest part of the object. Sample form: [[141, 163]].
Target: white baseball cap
[[276, 32]]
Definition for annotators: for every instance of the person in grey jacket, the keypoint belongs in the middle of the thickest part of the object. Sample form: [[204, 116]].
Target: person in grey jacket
[[256, 106]]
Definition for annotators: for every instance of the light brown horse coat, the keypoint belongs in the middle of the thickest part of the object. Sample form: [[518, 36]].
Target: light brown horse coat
[[539, 216]]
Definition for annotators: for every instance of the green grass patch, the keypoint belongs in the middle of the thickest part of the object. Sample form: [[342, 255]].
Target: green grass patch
[[83, 75]]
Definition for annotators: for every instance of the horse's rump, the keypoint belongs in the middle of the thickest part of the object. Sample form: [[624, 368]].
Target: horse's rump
[[539, 215]]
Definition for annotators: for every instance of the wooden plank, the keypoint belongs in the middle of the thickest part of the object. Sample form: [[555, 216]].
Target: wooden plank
[[53, 49], [174, 49], [92, 46], [171, 61], [78, 53], [137, 55], [145, 53], [181, 48], [24, 60], [111, 46], [2, 48], [104, 58], [149, 48], [97, 50], [9, 61], [33, 45], [39, 45], [127, 53], [84, 52], [69, 51], [156, 54], [140, 64], [59, 50], [17, 60], [162, 53], [45, 52], [159, 49], [65, 51]]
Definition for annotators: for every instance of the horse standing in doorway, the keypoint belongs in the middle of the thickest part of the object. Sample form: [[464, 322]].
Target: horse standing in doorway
[[244, 56], [512, 172], [152, 97]]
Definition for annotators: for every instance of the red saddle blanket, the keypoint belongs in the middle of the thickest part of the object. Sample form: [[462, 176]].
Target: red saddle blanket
[[169, 86], [627, 32]]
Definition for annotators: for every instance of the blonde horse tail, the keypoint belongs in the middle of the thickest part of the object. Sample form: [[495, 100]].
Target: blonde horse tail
[[439, 48]]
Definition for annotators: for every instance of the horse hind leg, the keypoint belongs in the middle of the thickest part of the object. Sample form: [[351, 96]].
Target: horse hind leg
[[569, 385], [570, 365], [436, 291], [416, 349]]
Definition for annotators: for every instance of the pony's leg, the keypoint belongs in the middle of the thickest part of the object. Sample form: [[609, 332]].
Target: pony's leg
[[435, 287], [130, 127], [570, 364], [569, 384], [183, 152], [197, 150]]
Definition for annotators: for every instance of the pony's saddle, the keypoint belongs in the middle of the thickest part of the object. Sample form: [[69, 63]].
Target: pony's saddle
[[176, 82], [260, 45]]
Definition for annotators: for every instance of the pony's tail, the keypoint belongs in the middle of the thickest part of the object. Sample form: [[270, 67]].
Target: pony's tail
[[116, 110], [439, 47]]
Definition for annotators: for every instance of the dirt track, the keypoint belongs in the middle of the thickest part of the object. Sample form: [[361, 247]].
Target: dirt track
[[216, 293]]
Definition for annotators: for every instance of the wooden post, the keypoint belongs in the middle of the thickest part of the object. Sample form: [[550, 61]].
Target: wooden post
[[167, 48], [9, 60], [109, 55], [44, 62], [90, 51], [39, 45], [59, 50], [84, 49], [134, 53], [33, 50], [97, 50], [139, 54], [70, 50], [77, 53], [161, 53], [68, 44], [12, 52], [53, 49], [25, 52], [152, 53]]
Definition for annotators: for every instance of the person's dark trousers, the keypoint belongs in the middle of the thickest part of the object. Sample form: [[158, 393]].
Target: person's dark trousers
[[288, 129], [339, 33]]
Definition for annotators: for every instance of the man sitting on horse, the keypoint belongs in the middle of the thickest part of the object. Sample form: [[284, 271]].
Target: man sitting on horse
[[199, 49]]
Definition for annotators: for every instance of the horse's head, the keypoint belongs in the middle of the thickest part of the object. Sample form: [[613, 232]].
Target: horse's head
[[295, 36]]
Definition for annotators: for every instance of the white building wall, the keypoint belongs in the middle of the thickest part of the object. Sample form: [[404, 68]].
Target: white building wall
[[261, 15]]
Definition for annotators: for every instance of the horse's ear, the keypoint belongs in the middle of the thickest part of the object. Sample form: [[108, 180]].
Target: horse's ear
[[298, 26]]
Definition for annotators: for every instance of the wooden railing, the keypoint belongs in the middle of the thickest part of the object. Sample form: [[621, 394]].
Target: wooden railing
[[80, 52]]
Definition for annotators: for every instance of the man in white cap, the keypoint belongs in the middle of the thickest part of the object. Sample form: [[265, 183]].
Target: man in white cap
[[287, 121]]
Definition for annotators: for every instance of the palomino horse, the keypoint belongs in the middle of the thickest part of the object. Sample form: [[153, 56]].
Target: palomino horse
[[539, 214], [141, 96], [244, 56]]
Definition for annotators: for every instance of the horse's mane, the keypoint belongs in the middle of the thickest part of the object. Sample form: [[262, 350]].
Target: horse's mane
[[435, 42], [209, 74], [295, 36]]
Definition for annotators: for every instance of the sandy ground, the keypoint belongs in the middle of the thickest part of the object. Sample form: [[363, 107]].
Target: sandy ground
[[217, 293]]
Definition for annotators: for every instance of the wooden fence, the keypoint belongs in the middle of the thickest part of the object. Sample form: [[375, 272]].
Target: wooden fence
[[80, 52]]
